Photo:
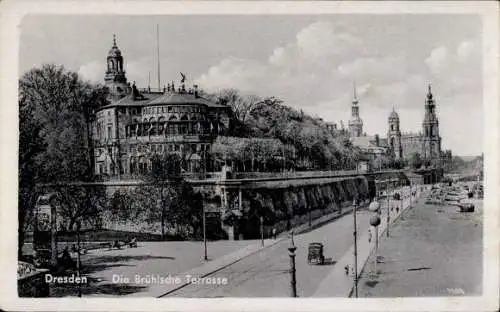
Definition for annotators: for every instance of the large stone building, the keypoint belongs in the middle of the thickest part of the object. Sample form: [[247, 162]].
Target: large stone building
[[401, 145], [137, 124], [427, 144]]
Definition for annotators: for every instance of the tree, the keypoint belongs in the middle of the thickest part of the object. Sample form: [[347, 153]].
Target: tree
[[56, 107]]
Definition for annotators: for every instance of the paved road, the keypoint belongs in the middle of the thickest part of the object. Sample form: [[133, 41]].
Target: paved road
[[433, 251], [150, 258], [265, 273]]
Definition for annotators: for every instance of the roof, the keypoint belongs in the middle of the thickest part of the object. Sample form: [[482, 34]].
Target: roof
[[170, 98], [368, 141], [394, 115]]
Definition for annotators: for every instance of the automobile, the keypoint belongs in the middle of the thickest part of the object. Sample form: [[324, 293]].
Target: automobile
[[315, 254]]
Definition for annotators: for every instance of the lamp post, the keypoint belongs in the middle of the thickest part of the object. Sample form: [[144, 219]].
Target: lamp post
[[293, 281], [262, 231], [78, 263], [355, 249], [205, 233], [388, 209], [375, 222]]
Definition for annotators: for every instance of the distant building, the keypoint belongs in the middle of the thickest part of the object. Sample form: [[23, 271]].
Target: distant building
[[355, 125], [427, 144], [137, 124], [400, 145]]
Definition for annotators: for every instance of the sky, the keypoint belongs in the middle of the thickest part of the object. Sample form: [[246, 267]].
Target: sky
[[310, 62]]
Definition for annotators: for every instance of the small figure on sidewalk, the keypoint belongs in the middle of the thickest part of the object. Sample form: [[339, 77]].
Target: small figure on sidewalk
[[346, 269], [274, 233], [369, 235]]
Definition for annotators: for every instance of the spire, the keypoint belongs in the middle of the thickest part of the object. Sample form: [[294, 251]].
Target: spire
[[114, 40], [429, 93], [355, 96]]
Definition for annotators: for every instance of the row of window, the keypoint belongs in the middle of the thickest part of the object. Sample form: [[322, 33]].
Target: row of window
[[171, 147], [172, 129], [172, 109]]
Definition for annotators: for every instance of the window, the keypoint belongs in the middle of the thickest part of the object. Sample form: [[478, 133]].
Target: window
[[110, 127]]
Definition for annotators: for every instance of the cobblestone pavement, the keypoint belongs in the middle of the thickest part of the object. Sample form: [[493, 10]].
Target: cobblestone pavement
[[432, 251]]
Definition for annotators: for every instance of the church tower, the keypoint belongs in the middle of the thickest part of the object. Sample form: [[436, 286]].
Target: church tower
[[115, 78], [355, 123], [394, 135], [431, 139]]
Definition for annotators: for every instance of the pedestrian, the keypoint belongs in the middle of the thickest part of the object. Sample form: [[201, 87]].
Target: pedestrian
[[274, 233], [346, 269], [369, 235]]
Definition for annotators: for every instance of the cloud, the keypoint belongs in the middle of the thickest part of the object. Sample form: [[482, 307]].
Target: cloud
[[315, 72], [93, 71], [438, 59]]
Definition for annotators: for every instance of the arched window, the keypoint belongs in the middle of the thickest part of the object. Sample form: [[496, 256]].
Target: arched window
[[392, 127], [161, 125], [153, 126], [392, 142], [184, 126]]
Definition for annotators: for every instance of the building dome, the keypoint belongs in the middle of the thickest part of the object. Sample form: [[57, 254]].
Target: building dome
[[393, 114], [114, 51]]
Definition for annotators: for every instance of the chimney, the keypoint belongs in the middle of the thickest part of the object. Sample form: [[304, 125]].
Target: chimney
[[196, 91], [377, 140], [164, 89]]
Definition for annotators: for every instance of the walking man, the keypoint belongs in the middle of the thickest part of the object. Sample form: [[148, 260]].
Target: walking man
[[274, 233]]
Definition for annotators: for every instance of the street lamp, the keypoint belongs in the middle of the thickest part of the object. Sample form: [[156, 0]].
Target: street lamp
[[375, 222], [205, 233], [293, 281], [355, 204], [388, 208], [78, 263], [262, 231]]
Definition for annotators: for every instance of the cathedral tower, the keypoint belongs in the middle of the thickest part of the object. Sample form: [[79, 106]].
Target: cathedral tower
[[355, 123], [431, 139], [394, 135], [115, 78]]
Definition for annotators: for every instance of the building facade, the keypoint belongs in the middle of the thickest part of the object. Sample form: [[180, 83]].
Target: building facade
[[138, 124], [399, 144], [426, 143]]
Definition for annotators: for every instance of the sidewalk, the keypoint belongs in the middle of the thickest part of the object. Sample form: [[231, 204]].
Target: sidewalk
[[337, 283], [435, 251]]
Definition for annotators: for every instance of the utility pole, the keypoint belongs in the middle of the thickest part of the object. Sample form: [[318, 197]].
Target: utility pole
[[293, 281], [355, 251]]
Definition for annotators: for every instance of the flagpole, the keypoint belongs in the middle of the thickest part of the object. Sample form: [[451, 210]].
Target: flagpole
[[158, 53]]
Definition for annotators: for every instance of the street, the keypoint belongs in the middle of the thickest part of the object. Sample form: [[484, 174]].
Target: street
[[266, 273]]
